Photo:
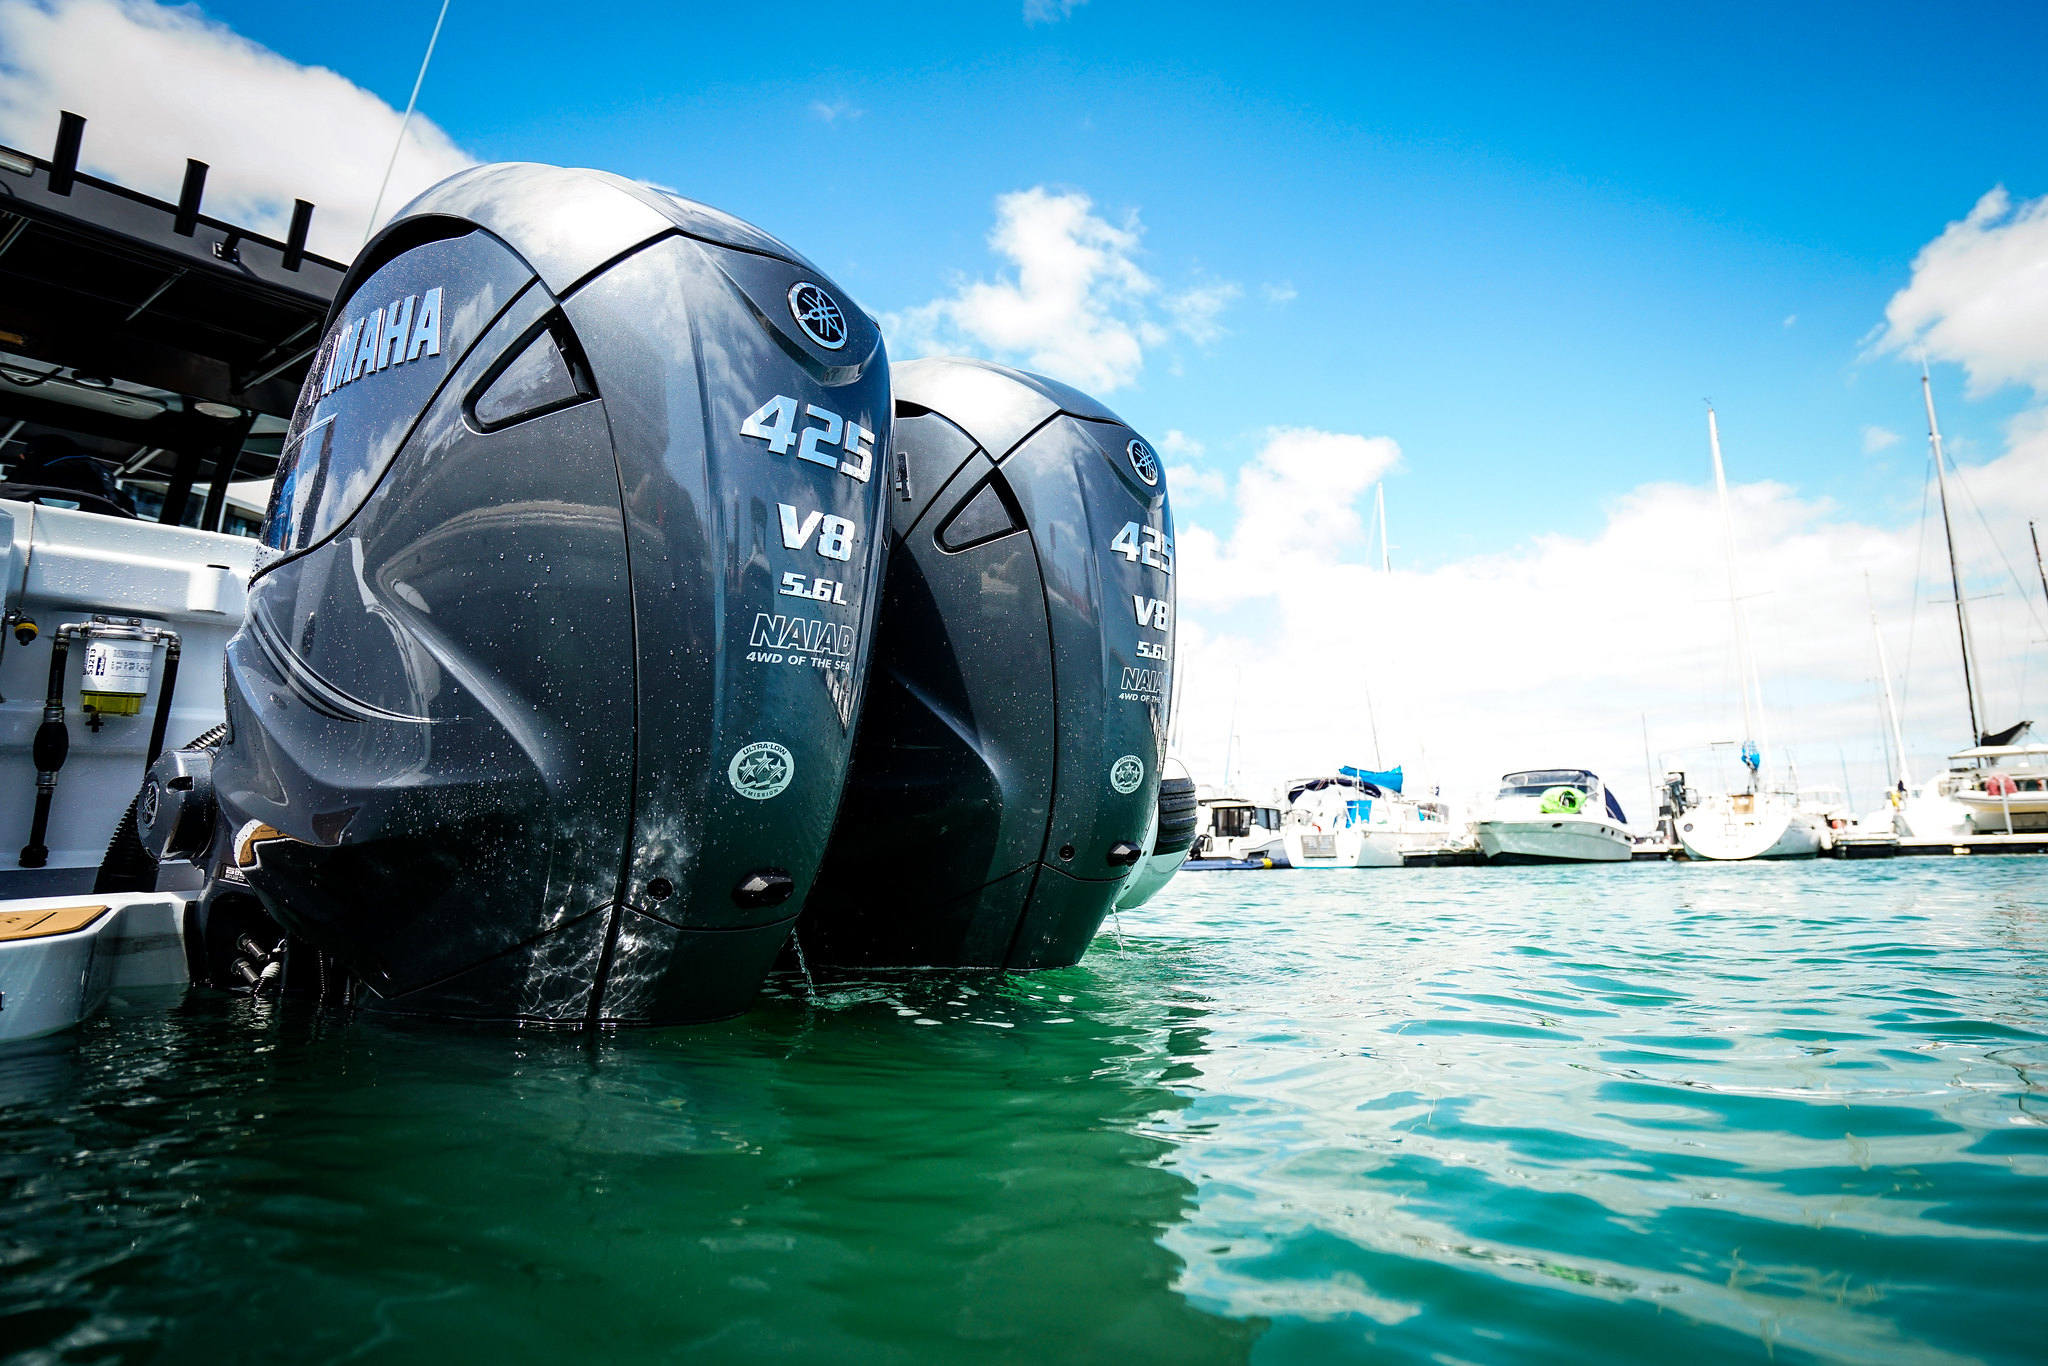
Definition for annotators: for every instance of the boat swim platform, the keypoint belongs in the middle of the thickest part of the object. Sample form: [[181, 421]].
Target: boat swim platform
[[1942, 846], [61, 957]]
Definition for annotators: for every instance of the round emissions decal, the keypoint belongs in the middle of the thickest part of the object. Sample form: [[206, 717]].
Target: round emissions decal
[[1144, 464], [1126, 773], [818, 315], [761, 770]]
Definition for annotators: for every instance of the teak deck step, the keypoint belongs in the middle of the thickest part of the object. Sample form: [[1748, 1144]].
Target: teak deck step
[[47, 920]]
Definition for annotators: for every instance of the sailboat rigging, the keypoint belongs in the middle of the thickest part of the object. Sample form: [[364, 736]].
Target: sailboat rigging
[[1762, 822]]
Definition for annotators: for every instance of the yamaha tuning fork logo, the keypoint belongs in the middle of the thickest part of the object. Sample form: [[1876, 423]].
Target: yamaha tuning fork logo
[[1144, 464], [817, 314]]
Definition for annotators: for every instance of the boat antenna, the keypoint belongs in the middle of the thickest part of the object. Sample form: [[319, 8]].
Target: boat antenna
[[1955, 571], [404, 123], [1742, 662], [1884, 676]]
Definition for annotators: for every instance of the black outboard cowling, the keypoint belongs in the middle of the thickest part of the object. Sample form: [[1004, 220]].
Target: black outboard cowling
[[545, 698], [1006, 773]]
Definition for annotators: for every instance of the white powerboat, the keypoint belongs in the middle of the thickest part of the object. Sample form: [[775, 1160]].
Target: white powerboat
[[2008, 793], [130, 440], [1358, 819], [1554, 815], [1237, 830]]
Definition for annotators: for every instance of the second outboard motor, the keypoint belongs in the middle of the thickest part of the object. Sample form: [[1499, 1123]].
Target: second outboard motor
[[1006, 774], [545, 698]]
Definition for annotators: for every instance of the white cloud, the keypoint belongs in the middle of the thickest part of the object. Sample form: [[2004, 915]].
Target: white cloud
[[1196, 310], [1279, 293], [1979, 296], [158, 85], [1191, 483], [1049, 11], [1185, 475], [1791, 319], [1548, 655], [1076, 305], [1296, 516], [1876, 439], [836, 111]]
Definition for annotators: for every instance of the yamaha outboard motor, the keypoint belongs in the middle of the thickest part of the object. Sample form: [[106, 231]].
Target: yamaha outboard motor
[[1006, 774], [545, 699]]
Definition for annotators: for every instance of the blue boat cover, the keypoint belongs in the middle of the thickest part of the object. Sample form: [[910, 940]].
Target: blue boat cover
[[1390, 780], [1614, 808]]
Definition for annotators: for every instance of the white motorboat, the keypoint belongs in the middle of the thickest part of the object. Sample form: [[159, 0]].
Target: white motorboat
[[1554, 815], [1235, 829], [1358, 819], [1764, 821], [130, 440], [2008, 792]]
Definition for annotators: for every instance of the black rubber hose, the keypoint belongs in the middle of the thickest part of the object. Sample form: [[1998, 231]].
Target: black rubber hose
[[128, 866], [52, 744], [163, 705]]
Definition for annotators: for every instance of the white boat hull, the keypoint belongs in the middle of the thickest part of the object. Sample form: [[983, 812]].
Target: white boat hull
[[60, 958], [1718, 832], [1932, 815], [1554, 839], [2018, 814], [1361, 847]]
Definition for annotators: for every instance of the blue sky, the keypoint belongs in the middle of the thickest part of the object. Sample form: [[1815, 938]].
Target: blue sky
[[1524, 242], [1505, 251]]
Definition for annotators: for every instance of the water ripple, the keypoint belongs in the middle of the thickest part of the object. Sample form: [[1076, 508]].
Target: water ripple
[[1631, 1114]]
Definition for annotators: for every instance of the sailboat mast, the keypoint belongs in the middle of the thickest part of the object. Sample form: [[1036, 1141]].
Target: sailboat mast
[[1884, 676], [1742, 668], [1649, 769], [2039, 568], [1955, 572]]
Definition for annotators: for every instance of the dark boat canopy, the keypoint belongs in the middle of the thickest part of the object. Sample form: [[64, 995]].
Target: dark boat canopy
[[165, 345]]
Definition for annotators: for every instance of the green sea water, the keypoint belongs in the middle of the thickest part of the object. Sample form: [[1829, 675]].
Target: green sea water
[[1653, 1113]]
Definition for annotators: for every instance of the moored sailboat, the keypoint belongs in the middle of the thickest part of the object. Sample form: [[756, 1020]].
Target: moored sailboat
[[1763, 821], [1971, 798]]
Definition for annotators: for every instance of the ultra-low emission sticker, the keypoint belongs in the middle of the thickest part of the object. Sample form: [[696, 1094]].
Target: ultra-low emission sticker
[[761, 770]]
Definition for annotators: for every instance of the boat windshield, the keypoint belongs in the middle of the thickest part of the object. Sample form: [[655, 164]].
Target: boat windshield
[[1235, 822], [1539, 781]]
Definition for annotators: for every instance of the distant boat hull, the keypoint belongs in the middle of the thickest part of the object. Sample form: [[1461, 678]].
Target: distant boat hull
[[1554, 839], [1359, 847], [2020, 813], [1727, 830]]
